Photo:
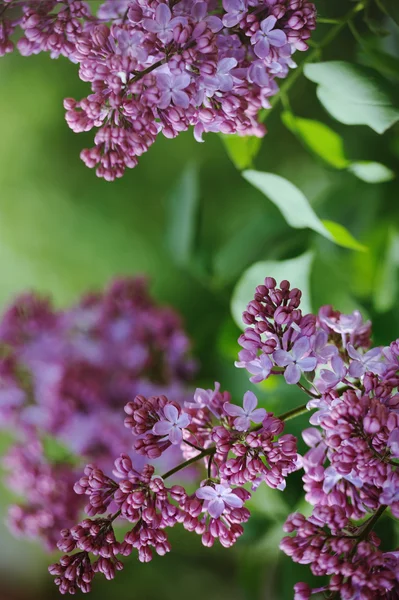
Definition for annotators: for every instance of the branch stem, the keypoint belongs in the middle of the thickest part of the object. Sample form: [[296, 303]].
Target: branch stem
[[190, 461]]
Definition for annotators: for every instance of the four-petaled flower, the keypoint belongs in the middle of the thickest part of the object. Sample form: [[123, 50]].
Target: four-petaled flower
[[163, 24], [222, 80], [247, 413], [218, 498], [296, 360], [172, 424], [171, 88], [260, 368], [266, 36], [363, 363], [330, 379], [235, 11]]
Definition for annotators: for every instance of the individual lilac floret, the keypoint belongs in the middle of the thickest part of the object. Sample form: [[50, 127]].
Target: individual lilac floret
[[364, 363], [171, 88], [322, 349], [330, 379], [244, 415], [163, 24], [235, 11], [296, 360], [267, 36], [218, 498], [259, 367], [172, 425]]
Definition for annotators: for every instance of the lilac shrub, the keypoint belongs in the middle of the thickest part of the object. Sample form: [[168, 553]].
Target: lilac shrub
[[162, 67], [67, 374], [65, 377], [350, 472]]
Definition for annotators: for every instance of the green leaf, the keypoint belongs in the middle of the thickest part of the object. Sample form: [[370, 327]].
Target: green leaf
[[319, 138], [296, 270], [380, 60], [354, 95], [241, 150], [342, 236], [371, 172], [295, 207], [391, 8], [182, 218], [386, 285]]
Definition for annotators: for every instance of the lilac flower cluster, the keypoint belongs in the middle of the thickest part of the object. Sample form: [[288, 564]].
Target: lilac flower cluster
[[160, 66], [350, 471], [65, 377], [209, 429]]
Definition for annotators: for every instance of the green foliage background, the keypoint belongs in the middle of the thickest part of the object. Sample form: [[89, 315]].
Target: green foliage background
[[63, 231]]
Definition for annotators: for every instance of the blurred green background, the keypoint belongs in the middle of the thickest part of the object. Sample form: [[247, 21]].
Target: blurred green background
[[63, 231]]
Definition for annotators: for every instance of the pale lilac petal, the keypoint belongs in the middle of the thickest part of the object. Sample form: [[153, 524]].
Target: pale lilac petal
[[321, 339], [199, 11], [175, 435], [292, 374], [165, 99], [277, 38], [216, 507], [258, 415], [233, 410], [250, 402], [282, 358], [171, 413], [331, 478], [393, 443], [373, 354], [163, 15], [233, 500], [163, 81], [301, 346], [242, 423], [183, 420], [206, 493], [162, 428], [262, 48], [356, 369], [151, 26], [307, 364], [181, 81], [378, 368], [268, 24], [214, 23], [180, 99], [354, 479], [328, 377], [353, 353], [311, 436], [226, 64], [230, 20]]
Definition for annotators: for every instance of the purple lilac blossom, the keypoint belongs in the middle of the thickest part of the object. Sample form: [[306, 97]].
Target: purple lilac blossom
[[60, 379], [296, 361], [217, 498], [155, 67], [247, 413]]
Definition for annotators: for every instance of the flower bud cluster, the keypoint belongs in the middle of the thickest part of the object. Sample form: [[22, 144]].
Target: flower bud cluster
[[350, 470]]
